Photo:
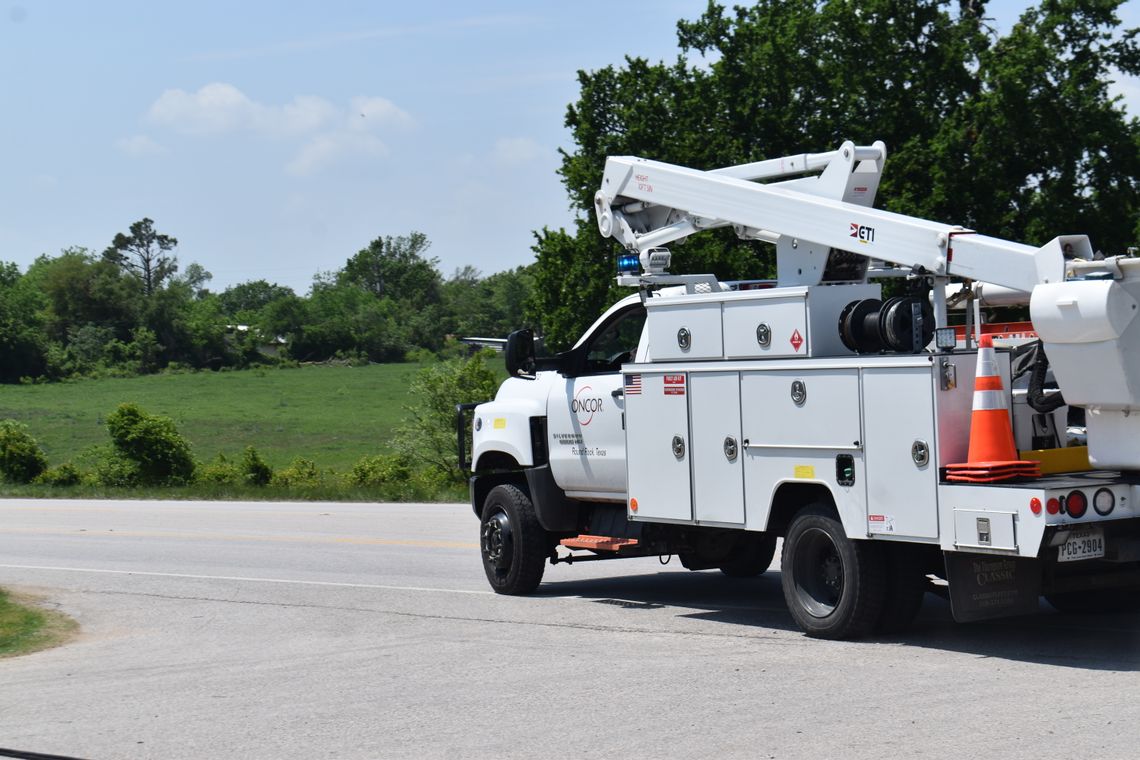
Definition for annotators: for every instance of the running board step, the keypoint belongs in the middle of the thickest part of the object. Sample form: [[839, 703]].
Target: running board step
[[599, 543]]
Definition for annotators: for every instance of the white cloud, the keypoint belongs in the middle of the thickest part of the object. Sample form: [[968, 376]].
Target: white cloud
[[368, 113], [219, 108], [139, 146], [516, 151], [330, 134], [325, 150]]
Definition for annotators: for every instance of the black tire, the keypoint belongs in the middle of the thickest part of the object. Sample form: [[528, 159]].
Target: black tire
[[751, 556], [1097, 601], [905, 588], [834, 586], [513, 544]]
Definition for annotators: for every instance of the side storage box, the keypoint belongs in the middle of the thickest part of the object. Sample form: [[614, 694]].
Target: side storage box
[[684, 329]]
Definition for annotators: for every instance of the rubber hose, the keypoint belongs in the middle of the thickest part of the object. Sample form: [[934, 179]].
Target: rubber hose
[[1037, 398]]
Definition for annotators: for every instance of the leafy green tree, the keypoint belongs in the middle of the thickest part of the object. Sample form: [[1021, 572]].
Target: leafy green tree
[[1017, 136], [395, 267], [245, 302], [486, 306], [427, 437], [22, 341], [80, 289], [145, 253]]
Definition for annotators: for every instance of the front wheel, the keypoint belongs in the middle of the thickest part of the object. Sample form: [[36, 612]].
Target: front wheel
[[513, 544], [834, 587]]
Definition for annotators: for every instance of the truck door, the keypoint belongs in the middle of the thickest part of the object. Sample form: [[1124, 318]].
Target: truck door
[[586, 412]]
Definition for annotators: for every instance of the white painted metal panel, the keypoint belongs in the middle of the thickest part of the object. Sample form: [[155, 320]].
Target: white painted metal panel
[[784, 317], [702, 323], [585, 436], [828, 416], [985, 529], [656, 412], [788, 442], [898, 414], [718, 480]]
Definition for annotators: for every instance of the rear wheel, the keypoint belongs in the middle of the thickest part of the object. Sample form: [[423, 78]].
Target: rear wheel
[[834, 586], [513, 544], [751, 556]]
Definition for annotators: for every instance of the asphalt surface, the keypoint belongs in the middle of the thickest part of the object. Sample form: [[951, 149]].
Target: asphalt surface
[[274, 630]]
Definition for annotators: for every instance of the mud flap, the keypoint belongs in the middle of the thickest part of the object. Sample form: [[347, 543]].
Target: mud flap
[[984, 586], [555, 512]]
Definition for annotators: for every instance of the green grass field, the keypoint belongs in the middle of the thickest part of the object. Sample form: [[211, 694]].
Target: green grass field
[[331, 415]]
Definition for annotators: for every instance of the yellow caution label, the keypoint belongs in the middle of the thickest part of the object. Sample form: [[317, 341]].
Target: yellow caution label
[[805, 471], [500, 423]]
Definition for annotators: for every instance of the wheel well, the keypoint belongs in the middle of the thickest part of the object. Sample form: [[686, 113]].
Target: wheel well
[[482, 485], [496, 460], [790, 498]]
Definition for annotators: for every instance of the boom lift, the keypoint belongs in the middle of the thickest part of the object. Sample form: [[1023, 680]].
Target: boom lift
[[705, 419]]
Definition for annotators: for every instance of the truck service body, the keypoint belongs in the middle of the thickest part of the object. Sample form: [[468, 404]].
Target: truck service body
[[705, 419]]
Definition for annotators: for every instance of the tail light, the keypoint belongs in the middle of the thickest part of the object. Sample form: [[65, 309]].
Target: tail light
[[1076, 504], [1053, 506]]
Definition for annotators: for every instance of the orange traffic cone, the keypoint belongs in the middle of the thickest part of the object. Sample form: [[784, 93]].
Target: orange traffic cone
[[993, 454]]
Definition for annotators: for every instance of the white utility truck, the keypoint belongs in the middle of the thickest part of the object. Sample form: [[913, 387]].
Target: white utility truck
[[704, 419]]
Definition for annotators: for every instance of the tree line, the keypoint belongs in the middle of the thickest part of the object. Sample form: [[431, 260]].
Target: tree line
[[130, 310]]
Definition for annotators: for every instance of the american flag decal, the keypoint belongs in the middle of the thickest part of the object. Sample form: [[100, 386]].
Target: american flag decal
[[633, 385]]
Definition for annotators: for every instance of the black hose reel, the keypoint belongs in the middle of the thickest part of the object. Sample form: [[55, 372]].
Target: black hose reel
[[904, 324]]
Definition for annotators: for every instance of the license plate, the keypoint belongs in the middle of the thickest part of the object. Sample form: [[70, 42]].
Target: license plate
[[1087, 543]]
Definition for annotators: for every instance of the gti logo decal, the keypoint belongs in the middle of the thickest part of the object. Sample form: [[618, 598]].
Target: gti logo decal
[[863, 233]]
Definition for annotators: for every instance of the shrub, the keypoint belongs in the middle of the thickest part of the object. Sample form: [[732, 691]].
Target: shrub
[[111, 468], [390, 475], [300, 473], [221, 471], [65, 474], [160, 455], [254, 469], [21, 458]]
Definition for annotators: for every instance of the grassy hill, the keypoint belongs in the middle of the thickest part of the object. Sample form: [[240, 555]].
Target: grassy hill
[[331, 415]]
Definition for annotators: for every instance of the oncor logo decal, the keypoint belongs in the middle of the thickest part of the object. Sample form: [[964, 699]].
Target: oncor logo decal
[[863, 233], [584, 408]]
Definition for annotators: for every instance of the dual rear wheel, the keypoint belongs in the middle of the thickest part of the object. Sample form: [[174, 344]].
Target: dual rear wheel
[[837, 588]]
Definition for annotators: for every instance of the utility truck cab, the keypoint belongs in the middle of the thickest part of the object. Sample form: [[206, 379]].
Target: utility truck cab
[[705, 419]]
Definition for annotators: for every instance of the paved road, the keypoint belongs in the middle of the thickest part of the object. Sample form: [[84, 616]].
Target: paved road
[[273, 630]]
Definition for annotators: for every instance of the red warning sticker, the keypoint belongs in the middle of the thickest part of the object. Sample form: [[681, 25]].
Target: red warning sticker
[[674, 385], [797, 340]]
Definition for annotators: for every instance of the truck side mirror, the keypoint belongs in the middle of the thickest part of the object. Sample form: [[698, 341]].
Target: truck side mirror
[[520, 354]]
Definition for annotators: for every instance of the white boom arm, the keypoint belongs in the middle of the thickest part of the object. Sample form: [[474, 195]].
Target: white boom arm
[[645, 204]]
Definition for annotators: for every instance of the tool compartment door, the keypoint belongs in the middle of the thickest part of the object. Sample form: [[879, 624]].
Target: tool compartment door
[[718, 477], [898, 416], [658, 445]]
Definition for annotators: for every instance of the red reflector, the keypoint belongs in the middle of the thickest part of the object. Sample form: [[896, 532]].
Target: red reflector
[[1053, 506], [1035, 505], [1076, 504]]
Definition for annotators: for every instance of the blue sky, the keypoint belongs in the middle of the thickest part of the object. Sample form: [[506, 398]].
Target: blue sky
[[274, 140]]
